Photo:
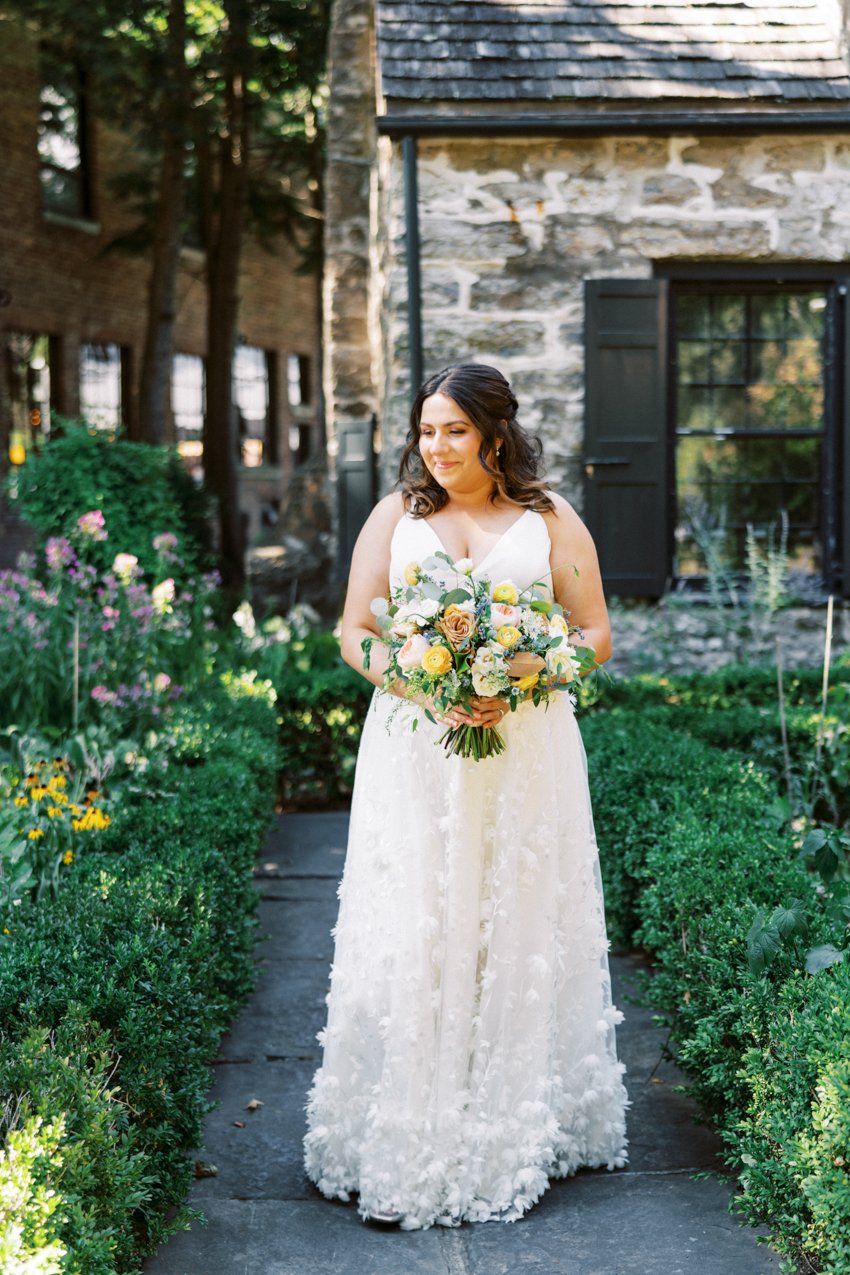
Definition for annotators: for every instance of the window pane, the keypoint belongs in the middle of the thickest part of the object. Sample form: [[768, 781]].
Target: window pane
[[251, 398], [728, 316], [100, 385], [188, 404], [695, 362], [298, 380], [60, 146], [27, 369], [693, 316], [724, 484]]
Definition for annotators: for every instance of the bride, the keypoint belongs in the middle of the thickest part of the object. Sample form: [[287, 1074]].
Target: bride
[[469, 1053]]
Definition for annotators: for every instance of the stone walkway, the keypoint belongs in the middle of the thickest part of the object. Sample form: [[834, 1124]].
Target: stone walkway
[[264, 1218]]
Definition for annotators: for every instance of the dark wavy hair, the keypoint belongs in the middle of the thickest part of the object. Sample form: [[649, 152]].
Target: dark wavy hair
[[487, 399]]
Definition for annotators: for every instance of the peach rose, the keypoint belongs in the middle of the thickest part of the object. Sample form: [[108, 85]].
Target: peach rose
[[501, 613], [410, 655], [457, 626]]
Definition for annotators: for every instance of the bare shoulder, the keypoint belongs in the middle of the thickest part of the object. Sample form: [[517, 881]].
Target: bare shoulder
[[563, 520], [384, 517]]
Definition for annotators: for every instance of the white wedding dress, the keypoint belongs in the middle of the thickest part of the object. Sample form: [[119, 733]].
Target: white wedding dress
[[469, 1053]]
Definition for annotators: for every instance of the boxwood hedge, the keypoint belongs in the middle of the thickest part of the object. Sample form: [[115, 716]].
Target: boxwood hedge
[[113, 998], [695, 864]]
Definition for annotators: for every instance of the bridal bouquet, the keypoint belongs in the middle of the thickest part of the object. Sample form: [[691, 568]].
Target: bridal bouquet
[[451, 637]]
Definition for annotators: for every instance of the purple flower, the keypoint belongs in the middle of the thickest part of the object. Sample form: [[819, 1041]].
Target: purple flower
[[165, 542], [59, 553], [93, 525]]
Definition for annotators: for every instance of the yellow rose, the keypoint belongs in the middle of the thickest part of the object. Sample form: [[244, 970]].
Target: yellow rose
[[411, 573], [508, 635], [558, 625], [437, 660], [526, 683], [506, 592]]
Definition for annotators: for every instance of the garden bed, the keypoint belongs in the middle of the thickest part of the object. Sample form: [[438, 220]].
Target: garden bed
[[114, 994], [742, 905]]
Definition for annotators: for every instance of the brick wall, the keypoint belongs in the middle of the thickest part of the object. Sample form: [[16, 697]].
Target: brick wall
[[61, 279]]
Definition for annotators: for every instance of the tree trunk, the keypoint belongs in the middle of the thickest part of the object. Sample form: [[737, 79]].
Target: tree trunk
[[221, 443], [155, 376]]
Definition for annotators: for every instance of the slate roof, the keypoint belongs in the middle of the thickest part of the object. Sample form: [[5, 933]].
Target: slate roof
[[552, 51]]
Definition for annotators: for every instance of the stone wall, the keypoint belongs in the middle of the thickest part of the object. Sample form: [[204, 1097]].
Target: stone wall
[[511, 229], [350, 348]]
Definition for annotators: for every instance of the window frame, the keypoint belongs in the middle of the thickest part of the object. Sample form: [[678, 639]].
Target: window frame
[[781, 277], [82, 211]]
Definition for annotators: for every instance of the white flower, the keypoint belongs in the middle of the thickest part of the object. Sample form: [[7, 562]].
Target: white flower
[[419, 610], [163, 594], [464, 566], [487, 683], [125, 565], [243, 618], [560, 663]]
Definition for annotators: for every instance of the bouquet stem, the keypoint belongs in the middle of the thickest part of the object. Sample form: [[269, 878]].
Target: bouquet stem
[[473, 741]]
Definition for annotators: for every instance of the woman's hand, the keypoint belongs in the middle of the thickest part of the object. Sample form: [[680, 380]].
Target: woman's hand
[[484, 710]]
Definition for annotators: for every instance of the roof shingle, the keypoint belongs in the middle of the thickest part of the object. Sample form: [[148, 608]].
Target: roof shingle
[[555, 51]]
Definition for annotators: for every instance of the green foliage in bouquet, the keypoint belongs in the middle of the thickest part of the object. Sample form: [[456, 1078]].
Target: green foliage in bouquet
[[141, 490]]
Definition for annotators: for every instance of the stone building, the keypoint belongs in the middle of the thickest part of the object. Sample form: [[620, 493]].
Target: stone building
[[640, 212], [72, 306]]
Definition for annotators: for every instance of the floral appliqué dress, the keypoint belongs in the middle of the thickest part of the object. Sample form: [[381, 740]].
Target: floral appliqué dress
[[469, 1053]]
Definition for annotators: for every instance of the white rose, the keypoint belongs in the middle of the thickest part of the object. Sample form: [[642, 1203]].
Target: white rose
[[486, 683], [410, 655], [559, 662], [404, 628]]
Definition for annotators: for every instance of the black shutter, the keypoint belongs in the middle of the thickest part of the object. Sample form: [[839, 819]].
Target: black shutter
[[625, 461], [355, 482]]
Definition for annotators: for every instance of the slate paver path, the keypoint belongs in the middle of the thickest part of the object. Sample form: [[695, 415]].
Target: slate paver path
[[653, 1218]]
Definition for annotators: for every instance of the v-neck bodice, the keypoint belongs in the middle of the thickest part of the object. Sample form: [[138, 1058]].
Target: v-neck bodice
[[520, 554]]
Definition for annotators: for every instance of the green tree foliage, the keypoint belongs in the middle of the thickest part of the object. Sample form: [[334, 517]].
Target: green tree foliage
[[221, 101]]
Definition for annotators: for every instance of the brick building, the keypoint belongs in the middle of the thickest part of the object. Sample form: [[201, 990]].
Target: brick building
[[639, 212], [72, 309]]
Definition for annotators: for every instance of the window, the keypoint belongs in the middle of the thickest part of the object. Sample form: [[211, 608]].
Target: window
[[718, 398], [749, 422], [253, 401], [101, 376], [188, 404], [61, 136], [27, 360], [299, 394]]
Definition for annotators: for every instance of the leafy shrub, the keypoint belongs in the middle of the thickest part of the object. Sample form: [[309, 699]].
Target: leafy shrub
[[113, 995], [698, 870], [323, 703], [141, 490], [28, 1244]]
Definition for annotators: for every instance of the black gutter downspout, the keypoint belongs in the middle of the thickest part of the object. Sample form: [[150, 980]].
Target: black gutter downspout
[[412, 258]]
